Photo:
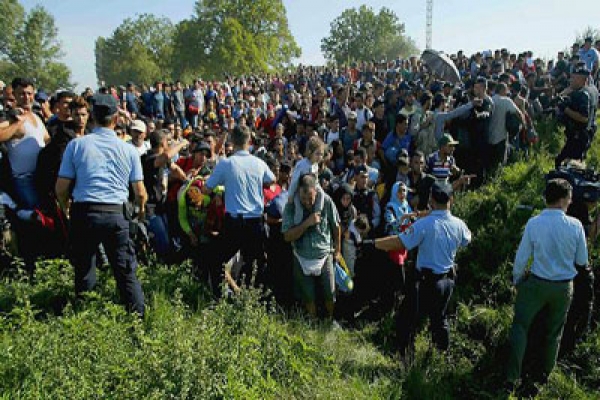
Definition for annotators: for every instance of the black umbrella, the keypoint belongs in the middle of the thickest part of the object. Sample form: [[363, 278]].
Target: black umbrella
[[441, 66]]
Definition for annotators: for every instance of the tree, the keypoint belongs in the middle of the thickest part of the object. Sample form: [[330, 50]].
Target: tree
[[586, 33], [139, 50], [362, 35], [29, 47], [234, 36]]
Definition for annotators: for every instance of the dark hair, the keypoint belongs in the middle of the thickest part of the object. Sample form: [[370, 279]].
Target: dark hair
[[361, 152], [501, 87], [401, 118], [425, 96], [557, 189], [285, 168], [418, 153], [156, 137], [64, 94], [22, 82], [77, 103], [240, 136]]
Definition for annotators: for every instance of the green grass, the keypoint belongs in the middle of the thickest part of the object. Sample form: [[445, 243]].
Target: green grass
[[188, 347]]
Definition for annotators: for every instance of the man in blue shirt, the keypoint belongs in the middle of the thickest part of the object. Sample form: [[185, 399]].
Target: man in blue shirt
[[131, 100], [243, 176], [590, 56], [99, 168], [438, 236], [556, 242]]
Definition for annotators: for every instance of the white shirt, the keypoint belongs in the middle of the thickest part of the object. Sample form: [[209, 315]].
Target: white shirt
[[23, 152]]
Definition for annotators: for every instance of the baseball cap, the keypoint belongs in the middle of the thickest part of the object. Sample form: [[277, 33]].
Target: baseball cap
[[105, 103], [582, 70], [441, 192], [41, 96], [361, 170], [203, 146], [447, 139], [589, 39], [138, 125], [352, 115]]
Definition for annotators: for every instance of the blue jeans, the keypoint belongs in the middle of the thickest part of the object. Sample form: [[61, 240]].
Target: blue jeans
[[26, 193], [159, 230], [181, 118]]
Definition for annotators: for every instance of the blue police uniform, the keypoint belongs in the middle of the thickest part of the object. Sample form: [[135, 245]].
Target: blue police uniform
[[243, 176], [577, 133], [438, 237], [102, 166]]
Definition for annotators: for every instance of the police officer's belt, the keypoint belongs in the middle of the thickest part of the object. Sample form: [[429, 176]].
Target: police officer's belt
[[428, 274], [99, 207]]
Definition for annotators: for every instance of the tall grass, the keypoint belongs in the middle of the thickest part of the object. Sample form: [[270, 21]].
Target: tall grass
[[190, 347]]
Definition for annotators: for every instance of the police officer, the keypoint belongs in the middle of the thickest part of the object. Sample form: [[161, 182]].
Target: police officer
[[243, 176], [438, 237], [577, 109], [99, 168]]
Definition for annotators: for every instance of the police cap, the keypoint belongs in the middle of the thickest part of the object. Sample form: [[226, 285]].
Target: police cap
[[441, 192], [105, 104]]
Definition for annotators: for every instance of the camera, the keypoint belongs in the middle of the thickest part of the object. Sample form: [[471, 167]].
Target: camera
[[557, 106], [585, 182]]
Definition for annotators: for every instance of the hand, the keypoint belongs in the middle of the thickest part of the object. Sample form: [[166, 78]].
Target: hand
[[313, 219], [337, 256]]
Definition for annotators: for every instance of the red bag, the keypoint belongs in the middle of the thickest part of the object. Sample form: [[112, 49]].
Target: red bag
[[194, 110]]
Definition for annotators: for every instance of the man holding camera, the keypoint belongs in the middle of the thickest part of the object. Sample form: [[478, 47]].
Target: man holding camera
[[577, 117], [557, 244]]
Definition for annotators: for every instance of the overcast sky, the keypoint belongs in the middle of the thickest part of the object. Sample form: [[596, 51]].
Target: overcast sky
[[543, 26]]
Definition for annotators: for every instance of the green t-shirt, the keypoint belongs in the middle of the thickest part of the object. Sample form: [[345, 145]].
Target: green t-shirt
[[317, 241]]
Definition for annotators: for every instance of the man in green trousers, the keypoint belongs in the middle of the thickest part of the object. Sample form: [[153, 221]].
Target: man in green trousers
[[556, 244]]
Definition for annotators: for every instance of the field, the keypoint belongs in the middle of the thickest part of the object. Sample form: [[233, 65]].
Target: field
[[187, 347]]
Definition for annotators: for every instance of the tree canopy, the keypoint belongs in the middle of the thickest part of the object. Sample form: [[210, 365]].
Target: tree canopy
[[234, 36], [364, 35], [29, 46], [139, 50]]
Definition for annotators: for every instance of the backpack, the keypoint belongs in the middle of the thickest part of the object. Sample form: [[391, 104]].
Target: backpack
[[513, 124]]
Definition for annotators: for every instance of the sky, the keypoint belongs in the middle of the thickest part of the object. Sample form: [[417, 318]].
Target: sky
[[542, 26]]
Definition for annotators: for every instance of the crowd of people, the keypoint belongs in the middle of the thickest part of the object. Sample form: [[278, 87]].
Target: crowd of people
[[276, 180]]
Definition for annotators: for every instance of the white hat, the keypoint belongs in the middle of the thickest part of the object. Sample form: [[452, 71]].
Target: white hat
[[138, 125]]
